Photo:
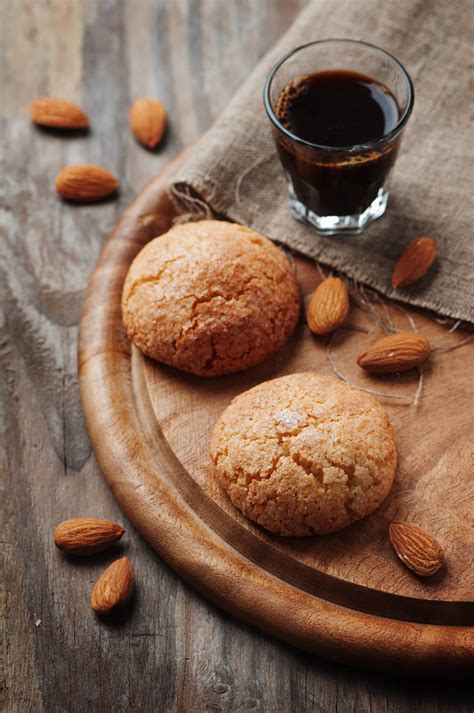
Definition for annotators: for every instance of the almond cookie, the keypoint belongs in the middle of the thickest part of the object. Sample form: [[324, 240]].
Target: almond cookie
[[304, 454], [210, 298]]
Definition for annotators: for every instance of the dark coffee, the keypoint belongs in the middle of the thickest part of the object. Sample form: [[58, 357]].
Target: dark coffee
[[336, 110]]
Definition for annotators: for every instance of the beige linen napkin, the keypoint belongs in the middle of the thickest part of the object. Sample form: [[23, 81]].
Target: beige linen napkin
[[235, 171]]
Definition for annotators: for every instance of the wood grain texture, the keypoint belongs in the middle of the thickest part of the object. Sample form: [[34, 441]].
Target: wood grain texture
[[434, 453], [173, 651], [366, 613]]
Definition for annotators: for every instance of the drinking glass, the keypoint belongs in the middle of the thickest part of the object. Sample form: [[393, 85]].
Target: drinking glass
[[339, 189]]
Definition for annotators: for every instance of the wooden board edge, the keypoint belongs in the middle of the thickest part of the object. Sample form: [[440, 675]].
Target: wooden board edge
[[183, 539]]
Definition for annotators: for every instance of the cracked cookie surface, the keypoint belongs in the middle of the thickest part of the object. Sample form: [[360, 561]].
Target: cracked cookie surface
[[304, 454], [210, 298]]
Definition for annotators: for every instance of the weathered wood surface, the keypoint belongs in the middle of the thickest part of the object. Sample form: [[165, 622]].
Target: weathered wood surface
[[173, 652]]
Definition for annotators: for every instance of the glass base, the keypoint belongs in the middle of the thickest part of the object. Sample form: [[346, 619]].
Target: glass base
[[339, 224]]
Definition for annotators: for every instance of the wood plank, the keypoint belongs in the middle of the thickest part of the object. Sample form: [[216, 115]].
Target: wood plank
[[175, 652]]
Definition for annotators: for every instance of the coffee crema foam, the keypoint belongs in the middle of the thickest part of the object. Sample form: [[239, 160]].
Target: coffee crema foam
[[287, 95]]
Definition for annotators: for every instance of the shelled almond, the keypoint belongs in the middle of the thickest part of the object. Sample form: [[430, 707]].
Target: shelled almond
[[59, 114], [114, 587], [397, 352], [328, 307], [414, 262], [147, 119], [419, 550], [86, 536], [85, 183]]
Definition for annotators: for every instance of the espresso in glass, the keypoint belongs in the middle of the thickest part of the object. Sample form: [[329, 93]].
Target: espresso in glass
[[338, 109], [338, 130]]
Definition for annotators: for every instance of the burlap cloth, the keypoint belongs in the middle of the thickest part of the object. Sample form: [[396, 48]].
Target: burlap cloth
[[236, 173]]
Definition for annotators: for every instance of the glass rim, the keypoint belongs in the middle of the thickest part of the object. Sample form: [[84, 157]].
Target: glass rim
[[355, 147]]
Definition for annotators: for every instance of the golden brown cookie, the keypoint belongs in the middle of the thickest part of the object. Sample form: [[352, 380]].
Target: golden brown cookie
[[304, 454], [210, 298]]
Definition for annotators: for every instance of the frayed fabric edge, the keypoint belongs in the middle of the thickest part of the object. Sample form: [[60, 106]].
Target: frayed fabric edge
[[189, 204], [191, 207]]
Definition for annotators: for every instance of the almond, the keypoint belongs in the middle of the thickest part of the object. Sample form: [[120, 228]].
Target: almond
[[85, 183], [147, 119], [86, 536], [328, 307], [416, 548], [398, 352], [114, 587], [414, 261], [58, 113]]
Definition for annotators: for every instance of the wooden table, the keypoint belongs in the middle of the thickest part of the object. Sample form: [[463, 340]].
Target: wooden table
[[172, 651]]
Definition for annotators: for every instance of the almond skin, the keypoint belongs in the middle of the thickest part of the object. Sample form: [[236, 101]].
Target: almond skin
[[147, 119], [85, 183], [328, 307], [398, 352], [86, 536], [414, 261], [58, 114], [114, 587], [416, 548]]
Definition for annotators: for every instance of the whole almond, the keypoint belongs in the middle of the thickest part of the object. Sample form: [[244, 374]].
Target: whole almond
[[85, 183], [147, 119], [398, 352], [416, 548], [414, 261], [58, 114], [114, 587], [328, 307], [86, 536]]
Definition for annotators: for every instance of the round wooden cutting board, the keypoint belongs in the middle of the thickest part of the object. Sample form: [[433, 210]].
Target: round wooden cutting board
[[345, 596]]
